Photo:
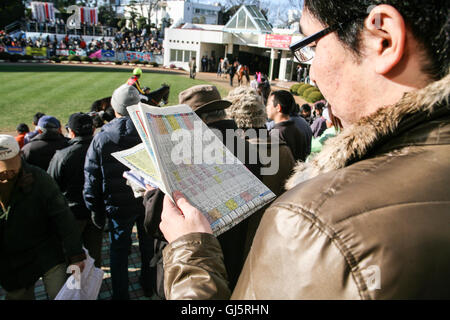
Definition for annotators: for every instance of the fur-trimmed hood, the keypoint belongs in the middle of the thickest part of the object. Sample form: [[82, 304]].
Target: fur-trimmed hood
[[359, 139]]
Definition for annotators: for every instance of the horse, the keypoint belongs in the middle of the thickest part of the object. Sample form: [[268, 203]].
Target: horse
[[160, 95], [102, 111], [243, 71]]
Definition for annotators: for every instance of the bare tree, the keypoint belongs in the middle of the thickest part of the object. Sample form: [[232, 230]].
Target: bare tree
[[237, 3], [293, 9], [147, 7]]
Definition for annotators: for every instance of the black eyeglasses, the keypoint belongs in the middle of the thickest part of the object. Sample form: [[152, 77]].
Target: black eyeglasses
[[302, 50]]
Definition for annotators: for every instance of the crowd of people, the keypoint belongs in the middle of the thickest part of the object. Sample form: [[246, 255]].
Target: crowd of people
[[126, 40], [362, 208]]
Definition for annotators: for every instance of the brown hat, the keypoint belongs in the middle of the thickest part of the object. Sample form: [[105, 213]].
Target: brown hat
[[203, 98]]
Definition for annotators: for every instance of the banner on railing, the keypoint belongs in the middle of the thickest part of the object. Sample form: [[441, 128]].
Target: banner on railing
[[141, 56], [15, 50], [96, 54], [133, 55], [36, 52], [108, 55], [65, 52]]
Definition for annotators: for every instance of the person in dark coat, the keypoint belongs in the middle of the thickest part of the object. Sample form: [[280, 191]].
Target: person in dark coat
[[106, 194], [320, 123], [206, 102], [67, 168], [303, 126], [38, 233], [41, 149], [30, 135], [278, 108]]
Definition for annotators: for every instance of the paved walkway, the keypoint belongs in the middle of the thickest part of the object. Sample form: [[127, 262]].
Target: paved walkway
[[134, 267]]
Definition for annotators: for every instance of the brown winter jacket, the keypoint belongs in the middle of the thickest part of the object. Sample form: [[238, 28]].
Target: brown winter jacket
[[368, 218]]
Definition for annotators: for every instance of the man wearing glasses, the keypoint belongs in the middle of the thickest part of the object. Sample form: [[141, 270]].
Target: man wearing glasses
[[369, 217]]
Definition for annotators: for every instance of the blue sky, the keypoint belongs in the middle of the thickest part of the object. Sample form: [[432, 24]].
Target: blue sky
[[282, 5]]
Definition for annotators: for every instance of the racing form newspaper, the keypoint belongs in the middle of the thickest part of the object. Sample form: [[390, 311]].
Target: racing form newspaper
[[180, 153]]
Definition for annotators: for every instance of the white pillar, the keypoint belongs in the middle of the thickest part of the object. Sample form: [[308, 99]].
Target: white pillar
[[283, 66], [273, 57]]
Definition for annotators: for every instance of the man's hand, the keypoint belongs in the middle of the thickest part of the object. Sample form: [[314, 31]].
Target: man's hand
[[80, 265], [181, 220]]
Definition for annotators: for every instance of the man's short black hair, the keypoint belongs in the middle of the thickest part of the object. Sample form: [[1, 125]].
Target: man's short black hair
[[22, 128], [285, 100], [306, 108], [428, 20], [37, 116]]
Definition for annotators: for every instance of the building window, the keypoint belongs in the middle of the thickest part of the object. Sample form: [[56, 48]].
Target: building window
[[187, 56], [180, 55]]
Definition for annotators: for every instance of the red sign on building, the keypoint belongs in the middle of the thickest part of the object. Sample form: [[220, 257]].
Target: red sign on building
[[278, 41]]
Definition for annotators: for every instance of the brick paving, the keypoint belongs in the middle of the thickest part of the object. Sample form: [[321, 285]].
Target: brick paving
[[134, 263]]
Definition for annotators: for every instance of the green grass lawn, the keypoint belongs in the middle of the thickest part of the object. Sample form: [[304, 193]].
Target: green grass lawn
[[60, 90]]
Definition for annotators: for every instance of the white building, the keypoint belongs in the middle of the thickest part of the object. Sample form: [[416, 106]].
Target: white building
[[247, 36], [178, 11]]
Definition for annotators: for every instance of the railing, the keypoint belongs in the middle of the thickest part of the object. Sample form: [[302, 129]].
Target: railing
[[61, 28], [16, 25]]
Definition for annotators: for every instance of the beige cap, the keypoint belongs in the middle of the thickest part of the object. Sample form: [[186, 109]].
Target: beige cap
[[9, 153]]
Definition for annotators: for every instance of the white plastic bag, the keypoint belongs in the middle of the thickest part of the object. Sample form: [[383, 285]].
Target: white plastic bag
[[84, 286]]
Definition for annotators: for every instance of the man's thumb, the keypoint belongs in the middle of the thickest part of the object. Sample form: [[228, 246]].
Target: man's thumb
[[181, 201]]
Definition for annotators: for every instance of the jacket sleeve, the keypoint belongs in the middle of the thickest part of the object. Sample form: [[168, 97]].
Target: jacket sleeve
[[153, 203], [295, 256], [93, 177], [194, 269], [63, 221], [56, 172]]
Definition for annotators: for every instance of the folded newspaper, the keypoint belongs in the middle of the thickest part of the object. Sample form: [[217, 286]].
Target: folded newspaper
[[180, 153]]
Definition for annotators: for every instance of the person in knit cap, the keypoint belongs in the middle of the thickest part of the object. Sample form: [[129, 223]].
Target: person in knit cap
[[275, 159], [67, 168], [106, 194], [40, 150], [249, 113]]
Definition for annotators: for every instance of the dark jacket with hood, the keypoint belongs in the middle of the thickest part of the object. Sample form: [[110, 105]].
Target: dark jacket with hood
[[41, 149], [67, 168], [37, 232], [105, 189]]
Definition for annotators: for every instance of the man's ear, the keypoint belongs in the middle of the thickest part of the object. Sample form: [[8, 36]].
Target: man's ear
[[388, 37]]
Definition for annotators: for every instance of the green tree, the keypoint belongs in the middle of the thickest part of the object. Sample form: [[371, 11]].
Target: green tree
[[141, 23], [107, 16], [61, 5], [10, 11]]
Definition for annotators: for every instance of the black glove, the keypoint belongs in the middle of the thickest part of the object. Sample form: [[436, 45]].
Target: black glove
[[98, 219]]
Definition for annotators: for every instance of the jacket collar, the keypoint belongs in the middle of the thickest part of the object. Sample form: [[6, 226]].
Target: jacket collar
[[48, 135], [80, 140], [361, 139]]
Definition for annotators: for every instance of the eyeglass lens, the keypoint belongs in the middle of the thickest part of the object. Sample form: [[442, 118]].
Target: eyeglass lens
[[304, 54]]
